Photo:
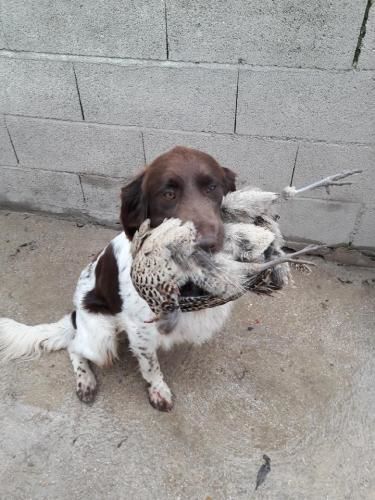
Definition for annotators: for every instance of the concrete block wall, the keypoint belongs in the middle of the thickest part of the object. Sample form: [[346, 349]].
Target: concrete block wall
[[280, 92]]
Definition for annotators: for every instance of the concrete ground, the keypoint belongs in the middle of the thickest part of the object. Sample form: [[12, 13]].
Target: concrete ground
[[290, 376]]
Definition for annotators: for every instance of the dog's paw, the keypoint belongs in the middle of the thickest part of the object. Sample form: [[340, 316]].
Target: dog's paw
[[86, 387], [160, 397]]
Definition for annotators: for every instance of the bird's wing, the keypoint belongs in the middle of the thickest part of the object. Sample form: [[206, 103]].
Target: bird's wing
[[247, 242], [246, 204]]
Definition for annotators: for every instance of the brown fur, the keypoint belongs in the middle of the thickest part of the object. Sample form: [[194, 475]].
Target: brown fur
[[197, 184], [105, 297]]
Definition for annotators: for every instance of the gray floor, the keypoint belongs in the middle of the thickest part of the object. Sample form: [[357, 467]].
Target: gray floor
[[291, 376]]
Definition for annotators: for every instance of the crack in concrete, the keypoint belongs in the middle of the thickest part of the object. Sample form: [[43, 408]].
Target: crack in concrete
[[294, 166], [362, 34], [143, 147], [11, 142], [82, 191], [79, 94], [166, 30], [236, 106]]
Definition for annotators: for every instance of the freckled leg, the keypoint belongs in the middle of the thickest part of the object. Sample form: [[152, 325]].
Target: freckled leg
[[143, 346], [86, 385], [160, 395]]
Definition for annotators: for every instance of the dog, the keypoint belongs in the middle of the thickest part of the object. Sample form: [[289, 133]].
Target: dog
[[184, 183]]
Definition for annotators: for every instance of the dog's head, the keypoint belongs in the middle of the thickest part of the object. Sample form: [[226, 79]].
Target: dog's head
[[183, 183]]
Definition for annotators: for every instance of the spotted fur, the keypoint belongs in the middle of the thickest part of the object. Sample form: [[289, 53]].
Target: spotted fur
[[92, 336]]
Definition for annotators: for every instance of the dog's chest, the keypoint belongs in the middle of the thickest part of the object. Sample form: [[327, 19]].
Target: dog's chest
[[196, 327], [193, 327]]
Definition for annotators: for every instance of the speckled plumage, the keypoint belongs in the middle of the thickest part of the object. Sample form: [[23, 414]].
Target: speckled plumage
[[166, 258]]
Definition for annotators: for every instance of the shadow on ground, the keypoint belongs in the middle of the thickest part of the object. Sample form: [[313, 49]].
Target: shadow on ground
[[291, 376]]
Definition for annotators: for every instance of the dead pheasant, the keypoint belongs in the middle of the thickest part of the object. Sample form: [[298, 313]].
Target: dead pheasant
[[167, 264]]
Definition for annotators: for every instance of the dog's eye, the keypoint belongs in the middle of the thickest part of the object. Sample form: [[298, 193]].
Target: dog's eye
[[169, 194], [211, 187]]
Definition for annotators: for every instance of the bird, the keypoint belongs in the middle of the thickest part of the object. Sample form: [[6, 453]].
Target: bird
[[172, 274]]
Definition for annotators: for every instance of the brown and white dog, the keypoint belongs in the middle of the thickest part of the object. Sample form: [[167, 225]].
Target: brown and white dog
[[183, 183]]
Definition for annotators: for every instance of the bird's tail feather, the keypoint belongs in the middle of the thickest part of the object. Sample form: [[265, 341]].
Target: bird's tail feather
[[22, 341]]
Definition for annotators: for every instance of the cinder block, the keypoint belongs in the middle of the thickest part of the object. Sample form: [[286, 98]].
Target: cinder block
[[40, 190], [76, 147], [116, 28], [317, 220], [264, 163], [102, 196], [39, 88], [3, 43], [317, 160], [367, 56], [306, 103], [365, 236], [264, 32], [3, 86], [7, 156], [159, 95]]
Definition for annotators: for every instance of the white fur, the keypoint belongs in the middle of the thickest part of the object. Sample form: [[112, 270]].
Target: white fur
[[96, 336], [196, 327], [22, 341]]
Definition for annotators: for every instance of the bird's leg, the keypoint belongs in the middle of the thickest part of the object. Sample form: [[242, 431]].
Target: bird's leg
[[143, 343], [258, 268], [327, 182]]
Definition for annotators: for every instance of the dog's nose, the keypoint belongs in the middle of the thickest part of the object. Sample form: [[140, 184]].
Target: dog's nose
[[208, 243]]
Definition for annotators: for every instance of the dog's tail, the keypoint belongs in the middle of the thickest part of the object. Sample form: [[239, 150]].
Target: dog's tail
[[27, 342]]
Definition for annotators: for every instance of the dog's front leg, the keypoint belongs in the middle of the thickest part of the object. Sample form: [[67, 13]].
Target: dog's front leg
[[143, 343], [86, 385]]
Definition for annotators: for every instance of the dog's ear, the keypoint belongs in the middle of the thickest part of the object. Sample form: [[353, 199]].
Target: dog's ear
[[229, 180], [133, 206]]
